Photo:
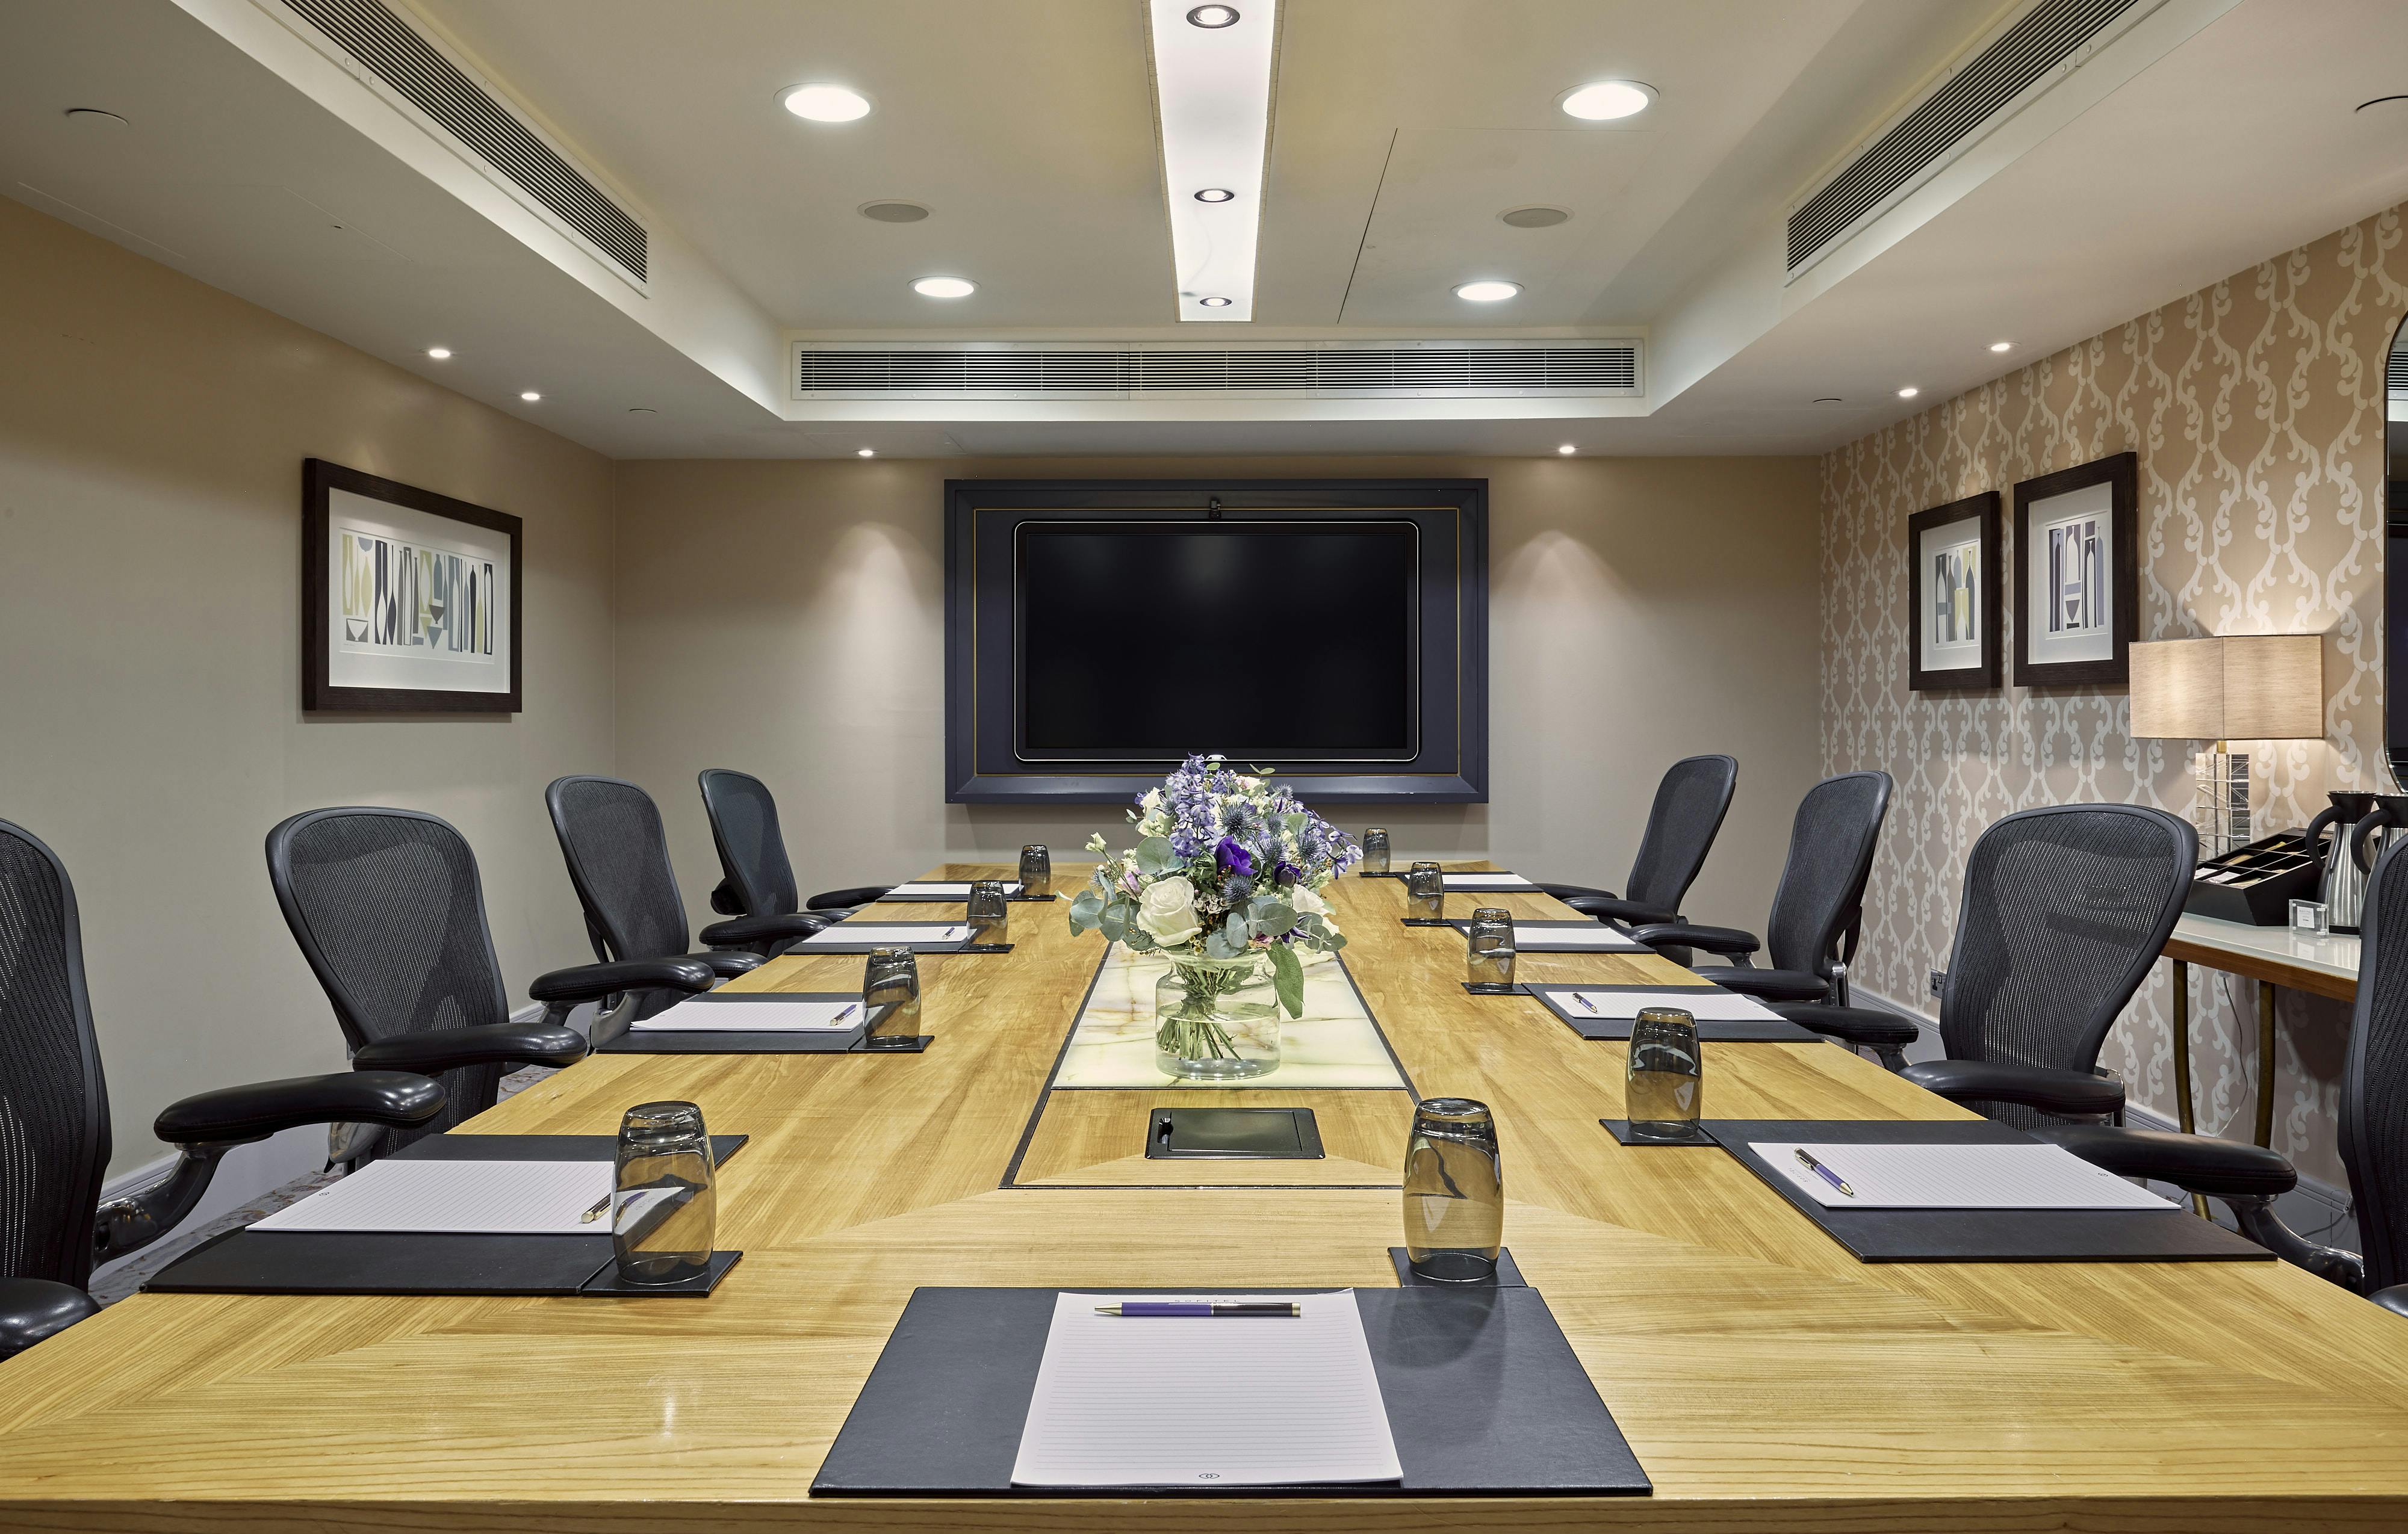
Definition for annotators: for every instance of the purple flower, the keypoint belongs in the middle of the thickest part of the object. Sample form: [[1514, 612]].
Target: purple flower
[[1229, 858], [1286, 874]]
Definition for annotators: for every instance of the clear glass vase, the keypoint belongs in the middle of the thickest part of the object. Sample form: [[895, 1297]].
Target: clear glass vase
[[1217, 1019]]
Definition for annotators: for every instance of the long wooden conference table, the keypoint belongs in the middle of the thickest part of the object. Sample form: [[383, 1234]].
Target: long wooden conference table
[[1767, 1379]]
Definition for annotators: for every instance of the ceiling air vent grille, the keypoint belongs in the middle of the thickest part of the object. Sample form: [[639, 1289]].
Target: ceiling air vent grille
[[415, 69], [1951, 118], [1431, 372]]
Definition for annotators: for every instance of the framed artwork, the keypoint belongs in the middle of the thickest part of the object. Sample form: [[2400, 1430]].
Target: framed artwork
[[2077, 579], [1952, 610], [410, 600]]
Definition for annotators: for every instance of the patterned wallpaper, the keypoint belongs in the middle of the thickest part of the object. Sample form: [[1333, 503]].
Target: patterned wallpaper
[[2256, 409]]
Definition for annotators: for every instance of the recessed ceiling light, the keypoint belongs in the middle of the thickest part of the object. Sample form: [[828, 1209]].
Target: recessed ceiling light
[[893, 212], [1215, 301], [2377, 102], [441, 354], [1486, 293], [2003, 346], [1212, 18], [1909, 392], [1215, 194], [1212, 115], [865, 452], [826, 103], [1829, 399], [529, 396], [1606, 100], [945, 287], [641, 410], [1567, 450], [1534, 217], [94, 117]]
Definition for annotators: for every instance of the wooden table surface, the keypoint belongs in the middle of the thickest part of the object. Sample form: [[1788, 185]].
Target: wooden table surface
[[1767, 1379]]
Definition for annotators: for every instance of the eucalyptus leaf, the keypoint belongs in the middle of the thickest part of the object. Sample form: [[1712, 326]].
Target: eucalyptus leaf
[[1156, 857], [1085, 906], [1271, 918], [1287, 978], [1115, 921]]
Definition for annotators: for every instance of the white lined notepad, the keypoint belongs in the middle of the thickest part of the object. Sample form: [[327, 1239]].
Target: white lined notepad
[[1717, 1006], [458, 1197], [846, 933], [948, 891], [1486, 881], [1234, 1401], [1580, 935], [1956, 1177], [704, 1014]]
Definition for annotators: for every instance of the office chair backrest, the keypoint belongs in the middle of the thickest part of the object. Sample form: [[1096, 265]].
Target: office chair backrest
[[2375, 1083], [1822, 888], [1690, 803], [619, 859], [2065, 909], [389, 911], [752, 849], [53, 1104]]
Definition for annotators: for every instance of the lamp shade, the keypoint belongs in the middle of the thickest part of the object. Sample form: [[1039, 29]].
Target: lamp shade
[[2242, 686]]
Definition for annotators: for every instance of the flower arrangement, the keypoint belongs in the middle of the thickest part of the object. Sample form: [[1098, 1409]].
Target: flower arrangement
[[1227, 866]]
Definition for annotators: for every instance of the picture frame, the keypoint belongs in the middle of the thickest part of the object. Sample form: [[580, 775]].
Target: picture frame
[[1951, 602], [410, 600], [2077, 574]]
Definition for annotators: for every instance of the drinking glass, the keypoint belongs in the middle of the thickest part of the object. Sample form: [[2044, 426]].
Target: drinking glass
[[892, 975], [1489, 949], [1375, 850], [1036, 870], [1666, 1086], [989, 912], [1425, 892], [663, 1205], [1454, 1192]]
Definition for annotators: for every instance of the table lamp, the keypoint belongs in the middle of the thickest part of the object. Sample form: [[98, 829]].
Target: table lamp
[[2240, 687]]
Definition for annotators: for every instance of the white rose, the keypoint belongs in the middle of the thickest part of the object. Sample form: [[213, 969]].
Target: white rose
[[1166, 911], [1304, 901]]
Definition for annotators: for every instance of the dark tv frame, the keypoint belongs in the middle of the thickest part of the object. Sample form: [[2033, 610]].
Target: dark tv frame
[[982, 520]]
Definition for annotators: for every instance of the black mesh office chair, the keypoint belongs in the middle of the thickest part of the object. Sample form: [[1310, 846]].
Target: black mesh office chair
[[54, 1137], [618, 857], [758, 885], [389, 911], [2064, 910], [1690, 803], [1816, 908], [2374, 1126]]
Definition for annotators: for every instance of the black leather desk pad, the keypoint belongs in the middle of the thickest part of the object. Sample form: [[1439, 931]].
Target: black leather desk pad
[[634, 1040], [1508, 1275], [1484, 1398], [1710, 1030], [249, 1261], [1529, 937], [1977, 1235]]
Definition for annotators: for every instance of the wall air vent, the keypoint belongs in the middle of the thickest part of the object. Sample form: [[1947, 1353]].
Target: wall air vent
[[999, 372], [372, 36], [2019, 62]]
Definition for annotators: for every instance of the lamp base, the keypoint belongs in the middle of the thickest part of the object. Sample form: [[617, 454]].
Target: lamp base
[[2221, 810]]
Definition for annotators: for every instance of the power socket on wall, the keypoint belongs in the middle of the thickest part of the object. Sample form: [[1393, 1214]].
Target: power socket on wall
[[1939, 978]]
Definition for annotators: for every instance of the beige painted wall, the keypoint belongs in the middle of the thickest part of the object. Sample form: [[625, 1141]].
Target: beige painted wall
[[152, 433], [786, 619]]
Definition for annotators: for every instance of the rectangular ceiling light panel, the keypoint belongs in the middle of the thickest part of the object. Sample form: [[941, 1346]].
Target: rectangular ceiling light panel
[[1212, 110]]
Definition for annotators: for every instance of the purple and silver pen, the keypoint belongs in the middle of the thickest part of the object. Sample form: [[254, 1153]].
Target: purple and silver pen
[[1199, 1308]]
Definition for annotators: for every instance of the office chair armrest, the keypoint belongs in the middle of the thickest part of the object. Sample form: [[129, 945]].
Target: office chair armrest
[[593, 982], [727, 964], [1729, 942], [2196, 1163], [489, 1043], [33, 1309], [743, 932], [1564, 893], [1611, 908], [1870, 1026], [235, 1115], [2394, 1298], [2051, 1091], [832, 900]]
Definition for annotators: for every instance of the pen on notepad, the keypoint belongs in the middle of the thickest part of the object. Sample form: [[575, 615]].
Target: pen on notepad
[[595, 1212], [1585, 1003], [840, 1017], [1197, 1307], [1819, 1170]]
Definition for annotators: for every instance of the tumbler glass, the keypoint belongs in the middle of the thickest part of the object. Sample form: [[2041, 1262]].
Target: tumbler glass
[[1035, 870], [663, 1205], [1666, 1086], [1425, 892], [1454, 1192], [891, 976], [1375, 850], [1489, 949], [989, 912]]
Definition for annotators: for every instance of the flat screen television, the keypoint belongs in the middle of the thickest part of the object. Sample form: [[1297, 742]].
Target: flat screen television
[[1293, 641]]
